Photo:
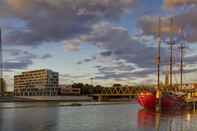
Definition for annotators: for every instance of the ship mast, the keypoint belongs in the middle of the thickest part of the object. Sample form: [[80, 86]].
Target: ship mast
[[171, 43], [182, 47], [181, 66], [1, 66], [158, 54], [158, 59]]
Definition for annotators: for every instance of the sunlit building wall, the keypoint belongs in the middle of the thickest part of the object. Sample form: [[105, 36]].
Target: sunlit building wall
[[37, 82]]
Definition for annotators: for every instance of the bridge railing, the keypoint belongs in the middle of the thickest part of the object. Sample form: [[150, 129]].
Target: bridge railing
[[119, 91]]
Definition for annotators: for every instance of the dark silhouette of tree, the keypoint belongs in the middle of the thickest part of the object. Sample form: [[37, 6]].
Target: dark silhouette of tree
[[88, 89], [2, 86]]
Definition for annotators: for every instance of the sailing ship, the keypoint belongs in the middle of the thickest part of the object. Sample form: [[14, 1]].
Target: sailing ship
[[164, 97]]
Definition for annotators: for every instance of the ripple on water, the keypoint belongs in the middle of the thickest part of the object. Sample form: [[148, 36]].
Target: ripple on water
[[113, 117]]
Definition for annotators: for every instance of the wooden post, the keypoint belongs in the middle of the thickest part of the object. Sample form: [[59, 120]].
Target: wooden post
[[194, 106], [99, 98], [157, 121]]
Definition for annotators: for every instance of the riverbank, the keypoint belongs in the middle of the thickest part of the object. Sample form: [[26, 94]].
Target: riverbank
[[22, 105], [46, 99], [56, 99]]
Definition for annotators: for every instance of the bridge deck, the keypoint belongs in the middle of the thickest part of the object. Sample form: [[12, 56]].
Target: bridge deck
[[114, 95]]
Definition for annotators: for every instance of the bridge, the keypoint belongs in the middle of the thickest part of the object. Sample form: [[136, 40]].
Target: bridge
[[111, 92]]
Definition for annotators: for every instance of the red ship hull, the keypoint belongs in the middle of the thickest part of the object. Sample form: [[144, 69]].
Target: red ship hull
[[147, 99]]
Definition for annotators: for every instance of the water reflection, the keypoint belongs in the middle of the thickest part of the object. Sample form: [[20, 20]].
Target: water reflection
[[174, 121], [28, 119], [119, 117]]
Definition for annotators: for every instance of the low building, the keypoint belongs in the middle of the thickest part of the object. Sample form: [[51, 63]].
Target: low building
[[69, 90], [36, 83]]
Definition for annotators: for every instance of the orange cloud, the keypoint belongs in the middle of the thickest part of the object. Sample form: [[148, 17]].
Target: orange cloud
[[149, 25], [172, 3], [19, 4]]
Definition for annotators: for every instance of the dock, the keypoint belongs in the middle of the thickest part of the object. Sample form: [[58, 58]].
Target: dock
[[192, 102]]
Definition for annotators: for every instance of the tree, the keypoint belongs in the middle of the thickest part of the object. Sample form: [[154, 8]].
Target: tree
[[2, 86]]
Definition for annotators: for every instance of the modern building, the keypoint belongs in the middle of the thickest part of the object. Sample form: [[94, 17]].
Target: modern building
[[69, 90], [42, 82]]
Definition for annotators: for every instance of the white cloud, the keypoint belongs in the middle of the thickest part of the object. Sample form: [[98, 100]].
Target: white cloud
[[72, 45]]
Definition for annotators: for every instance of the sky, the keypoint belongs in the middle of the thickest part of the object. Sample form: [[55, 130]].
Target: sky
[[112, 41]]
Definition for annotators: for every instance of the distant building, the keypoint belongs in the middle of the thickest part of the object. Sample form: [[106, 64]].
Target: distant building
[[69, 90], [36, 83]]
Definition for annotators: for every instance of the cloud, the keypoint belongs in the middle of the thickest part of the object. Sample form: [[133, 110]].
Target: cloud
[[86, 60], [191, 59], [46, 56], [21, 64], [20, 59], [174, 3], [79, 63], [115, 72], [184, 23], [122, 54], [123, 71], [116, 76], [56, 21], [120, 45], [106, 53], [74, 47], [70, 78], [150, 26], [118, 67]]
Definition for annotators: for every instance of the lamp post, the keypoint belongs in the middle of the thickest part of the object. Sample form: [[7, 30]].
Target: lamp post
[[92, 81]]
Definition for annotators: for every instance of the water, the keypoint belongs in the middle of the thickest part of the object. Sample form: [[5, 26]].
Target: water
[[114, 117]]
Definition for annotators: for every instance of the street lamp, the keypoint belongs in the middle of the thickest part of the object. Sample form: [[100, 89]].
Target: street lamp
[[92, 81]]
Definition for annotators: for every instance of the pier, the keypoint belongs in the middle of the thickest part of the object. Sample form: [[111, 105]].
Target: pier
[[192, 102]]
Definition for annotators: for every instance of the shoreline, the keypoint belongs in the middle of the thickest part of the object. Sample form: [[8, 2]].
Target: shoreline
[[56, 99], [59, 104], [46, 99]]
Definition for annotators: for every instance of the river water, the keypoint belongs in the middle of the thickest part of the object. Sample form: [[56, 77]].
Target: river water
[[112, 117]]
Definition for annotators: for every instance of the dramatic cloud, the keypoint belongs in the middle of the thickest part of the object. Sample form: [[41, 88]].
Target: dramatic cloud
[[21, 64], [150, 25], [56, 21], [116, 76], [46, 56], [106, 53], [115, 72], [20, 59], [173, 3], [70, 78], [74, 47], [86, 60], [118, 67], [184, 23], [123, 71], [120, 45], [191, 59]]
